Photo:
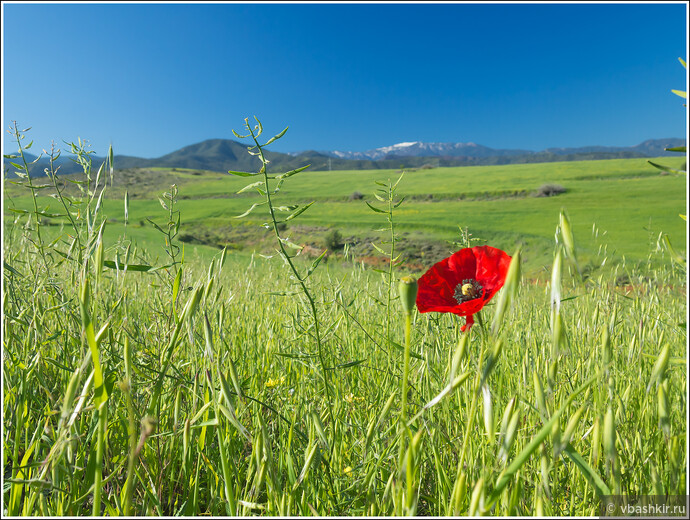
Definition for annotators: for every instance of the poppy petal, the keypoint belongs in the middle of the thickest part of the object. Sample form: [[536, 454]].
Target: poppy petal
[[486, 265]]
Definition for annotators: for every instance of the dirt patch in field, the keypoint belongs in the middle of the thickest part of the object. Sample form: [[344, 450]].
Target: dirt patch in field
[[416, 252]]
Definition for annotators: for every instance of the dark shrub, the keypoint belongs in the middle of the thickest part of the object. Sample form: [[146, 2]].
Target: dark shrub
[[549, 190], [356, 196], [334, 240]]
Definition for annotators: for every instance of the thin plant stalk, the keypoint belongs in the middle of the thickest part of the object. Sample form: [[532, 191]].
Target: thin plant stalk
[[288, 259]]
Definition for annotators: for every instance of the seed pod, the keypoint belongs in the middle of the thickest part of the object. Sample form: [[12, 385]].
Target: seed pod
[[606, 347], [567, 236], [609, 435], [596, 440], [510, 435], [556, 284], [459, 492], [509, 292], [539, 393], [387, 408], [488, 414], [664, 420], [408, 293], [208, 336], [192, 304], [553, 371], [660, 366], [477, 500], [544, 468], [507, 414], [539, 506], [185, 438], [572, 424], [69, 397], [209, 286]]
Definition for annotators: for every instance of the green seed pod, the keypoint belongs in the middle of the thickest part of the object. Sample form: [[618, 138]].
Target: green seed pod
[[539, 393], [511, 430], [539, 506], [507, 414], [459, 492], [488, 414], [209, 286], [660, 366], [606, 347], [567, 235], [664, 420], [69, 397], [477, 499], [185, 438], [509, 291], [609, 435], [553, 371], [387, 408], [572, 424], [192, 304], [408, 293], [596, 440], [544, 467]]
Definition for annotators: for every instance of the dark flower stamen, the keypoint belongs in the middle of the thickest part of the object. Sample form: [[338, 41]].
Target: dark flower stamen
[[467, 290]]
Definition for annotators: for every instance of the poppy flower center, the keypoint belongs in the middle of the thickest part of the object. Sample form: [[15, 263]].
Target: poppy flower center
[[467, 290]]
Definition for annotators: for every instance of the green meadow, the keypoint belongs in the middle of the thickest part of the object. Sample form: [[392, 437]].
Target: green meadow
[[218, 367], [622, 203]]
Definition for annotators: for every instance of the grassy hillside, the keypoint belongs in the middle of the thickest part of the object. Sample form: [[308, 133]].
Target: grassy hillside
[[621, 204]]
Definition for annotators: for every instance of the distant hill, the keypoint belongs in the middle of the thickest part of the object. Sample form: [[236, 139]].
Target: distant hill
[[649, 148], [222, 155]]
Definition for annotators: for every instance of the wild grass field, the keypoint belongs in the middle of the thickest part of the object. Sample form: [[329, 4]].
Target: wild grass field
[[140, 378]]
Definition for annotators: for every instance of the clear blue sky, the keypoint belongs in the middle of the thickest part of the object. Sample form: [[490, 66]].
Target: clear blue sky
[[151, 78]]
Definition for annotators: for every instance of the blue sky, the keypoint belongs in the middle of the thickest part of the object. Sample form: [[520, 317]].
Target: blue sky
[[151, 78]]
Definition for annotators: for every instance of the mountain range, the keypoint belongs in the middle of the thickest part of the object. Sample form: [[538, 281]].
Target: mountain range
[[650, 148], [221, 155]]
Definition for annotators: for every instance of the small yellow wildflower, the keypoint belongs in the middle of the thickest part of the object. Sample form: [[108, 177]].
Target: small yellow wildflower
[[351, 398], [275, 382], [348, 470]]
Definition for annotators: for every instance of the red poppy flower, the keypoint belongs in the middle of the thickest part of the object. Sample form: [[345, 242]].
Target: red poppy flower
[[464, 282]]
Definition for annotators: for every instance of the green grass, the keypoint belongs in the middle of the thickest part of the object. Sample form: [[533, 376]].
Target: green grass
[[201, 388], [626, 200], [262, 333]]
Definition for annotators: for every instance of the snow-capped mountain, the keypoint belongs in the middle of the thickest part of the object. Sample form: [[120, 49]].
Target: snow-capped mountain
[[420, 149], [652, 147]]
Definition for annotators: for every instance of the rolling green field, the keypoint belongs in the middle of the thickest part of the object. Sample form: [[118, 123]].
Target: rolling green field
[[243, 381], [623, 204]]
